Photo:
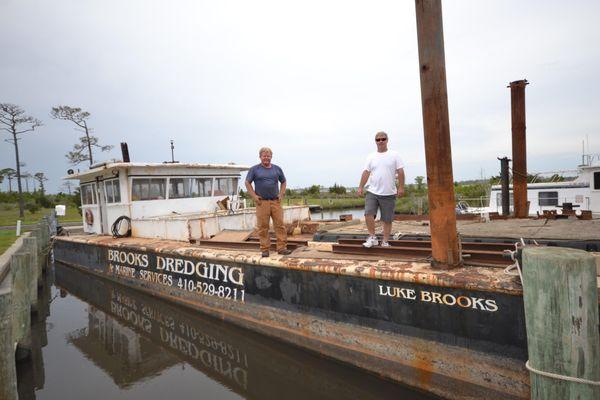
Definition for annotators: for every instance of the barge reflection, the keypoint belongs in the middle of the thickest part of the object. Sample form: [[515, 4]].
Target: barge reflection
[[133, 336]]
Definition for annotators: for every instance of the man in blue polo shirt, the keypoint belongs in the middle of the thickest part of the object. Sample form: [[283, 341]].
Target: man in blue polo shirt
[[268, 197]]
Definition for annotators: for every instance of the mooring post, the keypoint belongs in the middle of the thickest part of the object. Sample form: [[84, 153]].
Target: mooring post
[[36, 234], [561, 314], [30, 246], [434, 98], [519, 147], [8, 372], [21, 299], [45, 240], [40, 236]]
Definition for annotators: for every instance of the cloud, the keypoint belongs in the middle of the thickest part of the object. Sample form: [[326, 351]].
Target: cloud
[[314, 80]]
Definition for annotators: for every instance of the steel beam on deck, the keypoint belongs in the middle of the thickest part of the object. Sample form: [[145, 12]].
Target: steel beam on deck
[[241, 245], [519, 147], [487, 246], [297, 242], [436, 126], [423, 254]]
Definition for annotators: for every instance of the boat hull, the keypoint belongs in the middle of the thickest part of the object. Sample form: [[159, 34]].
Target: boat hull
[[452, 341]]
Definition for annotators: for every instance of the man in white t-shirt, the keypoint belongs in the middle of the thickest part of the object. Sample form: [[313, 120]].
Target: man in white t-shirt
[[380, 173]]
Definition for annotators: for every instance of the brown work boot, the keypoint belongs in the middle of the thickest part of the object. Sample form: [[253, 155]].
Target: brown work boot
[[265, 253], [284, 252]]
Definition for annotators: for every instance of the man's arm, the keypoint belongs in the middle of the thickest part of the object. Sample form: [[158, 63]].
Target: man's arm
[[400, 182], [251, 192], [282, 191], [363, 181]]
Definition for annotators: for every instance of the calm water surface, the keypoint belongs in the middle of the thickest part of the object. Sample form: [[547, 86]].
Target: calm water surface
[[99, 340], [357, 213]]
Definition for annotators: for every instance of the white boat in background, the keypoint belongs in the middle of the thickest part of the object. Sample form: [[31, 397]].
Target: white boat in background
[[177, 201], [583, 192]]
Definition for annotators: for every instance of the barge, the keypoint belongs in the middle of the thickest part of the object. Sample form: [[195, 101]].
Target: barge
[[457, 333]]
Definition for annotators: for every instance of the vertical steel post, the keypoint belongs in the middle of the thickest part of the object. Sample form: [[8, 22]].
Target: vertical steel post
[[504, 182], [434, 97], [519, 147]]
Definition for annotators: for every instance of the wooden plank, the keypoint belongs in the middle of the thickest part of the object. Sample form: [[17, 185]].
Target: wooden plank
[[231, 236]]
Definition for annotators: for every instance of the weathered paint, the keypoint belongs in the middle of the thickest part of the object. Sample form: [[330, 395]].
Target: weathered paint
[[379, 316]]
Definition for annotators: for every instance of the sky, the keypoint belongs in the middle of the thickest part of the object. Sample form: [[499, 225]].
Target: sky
[[313, 80]]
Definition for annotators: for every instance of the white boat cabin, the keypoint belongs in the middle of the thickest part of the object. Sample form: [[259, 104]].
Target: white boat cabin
[[143, 190], [583, 193], [177, 201]]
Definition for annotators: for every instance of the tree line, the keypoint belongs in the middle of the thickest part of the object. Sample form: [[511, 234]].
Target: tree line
[[16, 122]]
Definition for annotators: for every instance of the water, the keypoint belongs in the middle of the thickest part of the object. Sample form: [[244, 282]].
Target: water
[[357, 213], [98, 340]]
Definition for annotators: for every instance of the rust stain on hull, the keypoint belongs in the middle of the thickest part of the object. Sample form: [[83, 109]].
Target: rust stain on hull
[[431, 366], [471, 278]]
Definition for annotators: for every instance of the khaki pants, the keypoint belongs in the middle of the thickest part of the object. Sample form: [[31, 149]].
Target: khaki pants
[[265, 210]]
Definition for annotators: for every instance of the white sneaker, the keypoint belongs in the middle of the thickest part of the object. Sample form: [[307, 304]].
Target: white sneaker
[[385, 244], [371, 241]]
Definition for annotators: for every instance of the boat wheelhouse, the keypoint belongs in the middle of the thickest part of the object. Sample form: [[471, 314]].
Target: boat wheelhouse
[[583, 193], [177, 201]]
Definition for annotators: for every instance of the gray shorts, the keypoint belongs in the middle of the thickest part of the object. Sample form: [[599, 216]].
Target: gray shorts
[[386, 205]]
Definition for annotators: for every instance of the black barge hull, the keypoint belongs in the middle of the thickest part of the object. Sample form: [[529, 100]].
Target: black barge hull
[[438, 332]]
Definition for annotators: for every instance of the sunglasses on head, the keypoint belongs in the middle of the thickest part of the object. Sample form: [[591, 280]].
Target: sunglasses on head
[[380, 139]]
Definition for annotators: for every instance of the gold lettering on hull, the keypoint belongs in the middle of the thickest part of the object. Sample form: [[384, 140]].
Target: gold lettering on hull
[[433, 297]]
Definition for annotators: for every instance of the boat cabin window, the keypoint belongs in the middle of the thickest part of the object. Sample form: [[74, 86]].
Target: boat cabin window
[[597, 180], [148, 189], [180, 188], [113, 192], [87, 194], [226, 186], [548, 198]]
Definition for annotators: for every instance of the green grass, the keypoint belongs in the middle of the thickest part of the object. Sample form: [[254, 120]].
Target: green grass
[[6, 239], [403, 205], [9, 214], [329, 203]]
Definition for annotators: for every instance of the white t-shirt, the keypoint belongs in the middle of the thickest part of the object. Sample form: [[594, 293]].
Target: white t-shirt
[[383, 167]]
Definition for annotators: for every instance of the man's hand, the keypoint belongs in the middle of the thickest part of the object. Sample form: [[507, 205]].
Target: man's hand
[[281, 196], [400, 192], [360, 191], [256, 199]]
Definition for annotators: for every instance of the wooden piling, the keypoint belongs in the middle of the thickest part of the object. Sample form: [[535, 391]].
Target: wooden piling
[[21, 298], [445, 245], [561, 313], [30, 246], [8, 372], [37, 234]]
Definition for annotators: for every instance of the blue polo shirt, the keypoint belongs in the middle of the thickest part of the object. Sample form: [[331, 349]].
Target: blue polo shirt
[[266, 180]]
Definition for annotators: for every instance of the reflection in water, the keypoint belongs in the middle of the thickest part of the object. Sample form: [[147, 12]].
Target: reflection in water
[[118, 350], [140, 342], [30, 371]]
